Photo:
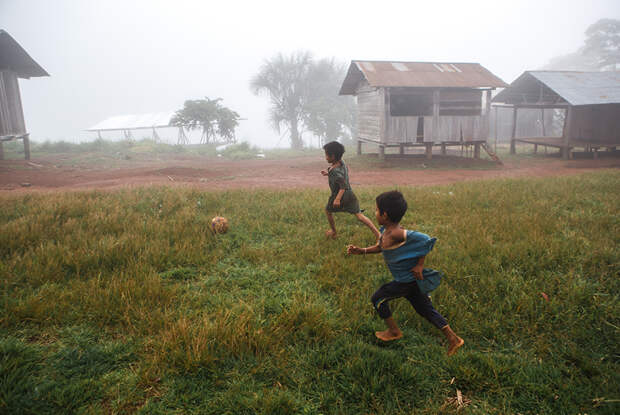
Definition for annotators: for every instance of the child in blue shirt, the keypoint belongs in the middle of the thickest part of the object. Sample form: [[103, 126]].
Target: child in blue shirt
[[404, 252]]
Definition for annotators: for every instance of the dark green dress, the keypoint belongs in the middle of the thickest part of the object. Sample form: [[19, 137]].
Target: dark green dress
[[338, 178]]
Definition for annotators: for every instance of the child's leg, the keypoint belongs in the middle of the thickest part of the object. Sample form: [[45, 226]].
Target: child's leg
[[424, 307], [454, 340], [331, 233], [392, 333], [368, 222], [380, 300]]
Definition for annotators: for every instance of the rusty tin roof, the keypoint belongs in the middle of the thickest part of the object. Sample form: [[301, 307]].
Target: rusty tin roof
[[419, 75]]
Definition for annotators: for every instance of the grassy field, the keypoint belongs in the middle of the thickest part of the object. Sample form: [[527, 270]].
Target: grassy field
[[106, 153], [124, 302]]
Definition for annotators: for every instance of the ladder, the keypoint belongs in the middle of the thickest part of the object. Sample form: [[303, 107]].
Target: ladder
[[491, 153]]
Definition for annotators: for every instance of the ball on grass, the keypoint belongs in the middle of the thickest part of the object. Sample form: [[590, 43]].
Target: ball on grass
[[219, 224]]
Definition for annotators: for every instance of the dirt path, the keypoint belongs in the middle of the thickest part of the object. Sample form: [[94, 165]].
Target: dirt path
[[48, 174]]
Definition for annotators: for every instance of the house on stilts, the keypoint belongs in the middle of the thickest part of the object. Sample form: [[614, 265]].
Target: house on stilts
[[586, 103], [421, 104], [14, 63]]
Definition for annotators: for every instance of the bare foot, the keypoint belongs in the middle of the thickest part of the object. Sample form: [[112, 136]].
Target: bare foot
[[388, 335], [331, 234], [455, 346]]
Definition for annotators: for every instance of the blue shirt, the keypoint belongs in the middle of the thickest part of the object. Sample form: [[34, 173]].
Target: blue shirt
[[405, 256]]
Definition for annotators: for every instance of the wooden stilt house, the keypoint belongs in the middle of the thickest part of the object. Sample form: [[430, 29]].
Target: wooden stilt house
[[14, 63], [589, 103], [421, 104]]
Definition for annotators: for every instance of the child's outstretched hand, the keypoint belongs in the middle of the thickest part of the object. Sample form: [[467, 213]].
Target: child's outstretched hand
[[324, 172], [354, 250]]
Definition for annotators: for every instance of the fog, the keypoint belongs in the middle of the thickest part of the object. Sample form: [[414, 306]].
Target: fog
[[118, 57]]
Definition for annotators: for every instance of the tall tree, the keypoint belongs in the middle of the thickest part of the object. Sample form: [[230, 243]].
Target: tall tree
[[210, 116], [600, 51], [284, 78], [603, 43], [326, 114]]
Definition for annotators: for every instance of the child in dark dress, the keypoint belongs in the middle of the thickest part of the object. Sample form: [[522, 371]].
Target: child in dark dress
[[342, 198], [404, 252]]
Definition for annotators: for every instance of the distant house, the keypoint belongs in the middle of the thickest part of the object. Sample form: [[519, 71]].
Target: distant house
[[421, 104], [14, 63], [589, 103], [135, 122]]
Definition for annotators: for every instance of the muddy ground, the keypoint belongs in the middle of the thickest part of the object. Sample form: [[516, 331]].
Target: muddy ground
[[60, 173]]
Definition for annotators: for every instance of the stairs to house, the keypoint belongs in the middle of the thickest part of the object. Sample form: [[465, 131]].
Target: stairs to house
[[491, 153]]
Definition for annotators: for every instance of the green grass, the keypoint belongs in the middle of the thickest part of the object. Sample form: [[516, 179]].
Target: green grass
[[106, 153], [125, 302]]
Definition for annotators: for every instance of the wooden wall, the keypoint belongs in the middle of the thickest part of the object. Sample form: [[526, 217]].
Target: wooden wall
[[11, 114], [456, 114], [597, 123], [403, 129], [371, 110]]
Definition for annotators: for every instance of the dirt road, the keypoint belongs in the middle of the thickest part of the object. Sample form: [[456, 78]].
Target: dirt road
[[50, 174]]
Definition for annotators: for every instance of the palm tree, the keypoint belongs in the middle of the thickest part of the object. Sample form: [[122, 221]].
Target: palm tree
[[284, 78]]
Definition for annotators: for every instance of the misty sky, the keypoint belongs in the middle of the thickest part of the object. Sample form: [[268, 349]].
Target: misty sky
[[118, 57]]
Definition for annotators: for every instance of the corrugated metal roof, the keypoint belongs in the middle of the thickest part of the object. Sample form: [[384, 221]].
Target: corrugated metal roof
[[576, 88], [134, 122], [419, 74], [583, 88], [13, 57]]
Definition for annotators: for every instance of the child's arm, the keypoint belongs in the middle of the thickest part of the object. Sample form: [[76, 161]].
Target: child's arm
[[417, 269], [338, 198], [356, 250]]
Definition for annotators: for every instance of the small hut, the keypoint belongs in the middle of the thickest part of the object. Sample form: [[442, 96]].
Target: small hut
[[421, 104], [128, 123], [14, 63], [588, 102]]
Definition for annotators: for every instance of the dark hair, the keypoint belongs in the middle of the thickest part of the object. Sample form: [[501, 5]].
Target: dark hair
[[393, 203], [335, 149]]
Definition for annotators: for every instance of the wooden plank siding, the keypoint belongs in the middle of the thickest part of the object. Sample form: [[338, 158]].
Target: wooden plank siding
[[402, 129], [370, 107], [11, 113], [597, 123], [456, 114]]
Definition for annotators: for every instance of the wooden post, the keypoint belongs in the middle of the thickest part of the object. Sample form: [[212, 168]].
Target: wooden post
[[1, 151], [566, 133], [381, 152], [27, 146], [443, 149], [359, 147], [496, 133], [535, 148], [477, 150], [487, 116], [385, 111], [436, 99], [429, 151], [402, 149], [513, 147], [542, 121]]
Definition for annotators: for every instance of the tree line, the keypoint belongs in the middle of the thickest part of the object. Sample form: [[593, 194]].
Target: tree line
[[303, 92], [303, 95]]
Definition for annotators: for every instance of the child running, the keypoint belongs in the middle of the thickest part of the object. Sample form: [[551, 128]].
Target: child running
[[404, 252], [342, 198]]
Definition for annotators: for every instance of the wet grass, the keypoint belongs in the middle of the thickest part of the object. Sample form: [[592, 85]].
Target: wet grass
[[125, 302]]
